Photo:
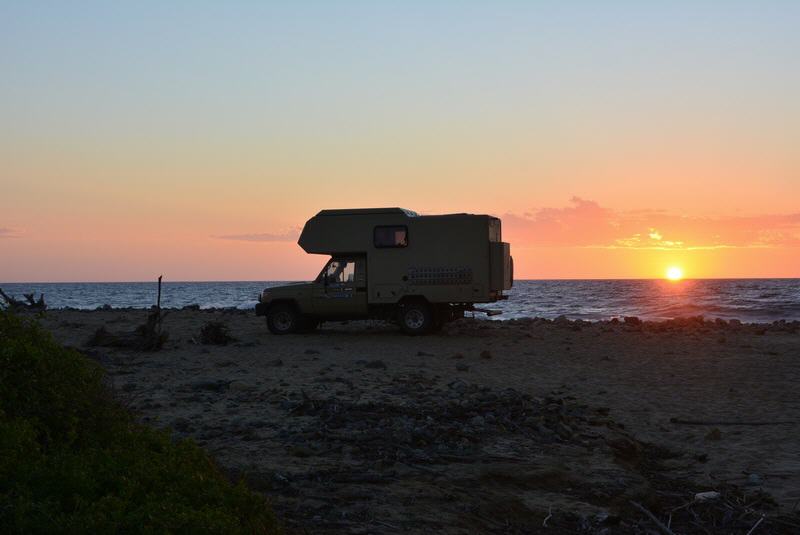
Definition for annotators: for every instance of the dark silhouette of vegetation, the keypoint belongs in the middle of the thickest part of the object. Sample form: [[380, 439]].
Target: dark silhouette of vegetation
[[215, 333], [72, 459]]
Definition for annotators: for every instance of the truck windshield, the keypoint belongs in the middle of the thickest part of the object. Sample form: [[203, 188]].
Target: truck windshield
[[340, 271]]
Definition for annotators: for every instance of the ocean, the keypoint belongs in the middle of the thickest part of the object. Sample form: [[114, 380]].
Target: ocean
[[749, 300]]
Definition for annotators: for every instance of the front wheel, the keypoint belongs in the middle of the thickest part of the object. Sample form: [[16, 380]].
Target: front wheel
[[416, 318], [282, 318]]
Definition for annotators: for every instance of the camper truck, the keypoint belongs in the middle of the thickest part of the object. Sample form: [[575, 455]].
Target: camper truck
[[393, 264]]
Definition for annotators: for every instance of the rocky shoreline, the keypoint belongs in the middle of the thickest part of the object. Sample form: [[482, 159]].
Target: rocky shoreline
[[520, 426]]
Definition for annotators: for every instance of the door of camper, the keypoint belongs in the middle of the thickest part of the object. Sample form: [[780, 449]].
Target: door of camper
[[340, 291]]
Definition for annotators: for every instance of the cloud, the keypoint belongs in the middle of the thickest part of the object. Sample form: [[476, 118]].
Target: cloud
[[585, 223], [289, 235], [7, 233], [582, 223]]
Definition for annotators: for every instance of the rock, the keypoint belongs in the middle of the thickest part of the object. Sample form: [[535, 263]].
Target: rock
[[486, 354], [300, 451], [239, 386], [754, 480], [625, 448], [214, 386], [458, 385], [311, 352], [632, 320], [462, 367], [714, 434], [424, 354], [564, 431], [182, 425], [458, 356], [276, 362], [375, 364], [706, 496], [193, 306]]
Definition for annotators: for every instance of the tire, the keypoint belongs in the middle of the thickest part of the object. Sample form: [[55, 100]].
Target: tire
[[282, 318], [416, 318]]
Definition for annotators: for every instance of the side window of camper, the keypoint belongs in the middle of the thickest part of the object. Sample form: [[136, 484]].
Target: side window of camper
[[391, 236]]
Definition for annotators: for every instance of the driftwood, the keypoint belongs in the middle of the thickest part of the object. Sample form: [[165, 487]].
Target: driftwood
[[760, 520], [30, 304], [726, 422], [660, 525], [146, 337]]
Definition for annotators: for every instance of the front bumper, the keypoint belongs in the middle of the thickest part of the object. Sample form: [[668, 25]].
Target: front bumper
[[261, 309]]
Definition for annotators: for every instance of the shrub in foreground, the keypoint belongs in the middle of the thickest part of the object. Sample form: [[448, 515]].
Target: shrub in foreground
[[73, 460]]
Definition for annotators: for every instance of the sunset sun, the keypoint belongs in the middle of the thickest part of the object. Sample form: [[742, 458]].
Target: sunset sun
[[674, 273]]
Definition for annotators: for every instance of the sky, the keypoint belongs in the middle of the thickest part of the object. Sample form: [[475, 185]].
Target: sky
[[194, 139]]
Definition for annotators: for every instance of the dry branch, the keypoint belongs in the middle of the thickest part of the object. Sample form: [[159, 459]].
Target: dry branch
[[727, 422], [660, 525], [30, 303]]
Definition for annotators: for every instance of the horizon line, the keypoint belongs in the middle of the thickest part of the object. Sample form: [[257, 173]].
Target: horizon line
[[565, 279]]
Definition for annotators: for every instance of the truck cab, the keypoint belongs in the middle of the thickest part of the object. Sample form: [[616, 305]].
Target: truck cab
[[393, 264], [340, 290]]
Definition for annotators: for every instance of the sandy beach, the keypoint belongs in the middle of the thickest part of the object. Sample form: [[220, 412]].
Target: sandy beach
[[509, 426]]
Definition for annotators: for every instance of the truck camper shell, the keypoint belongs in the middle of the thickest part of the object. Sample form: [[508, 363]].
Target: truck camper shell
[[445, 258]]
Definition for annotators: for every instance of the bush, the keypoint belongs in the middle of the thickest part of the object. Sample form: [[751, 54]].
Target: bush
[[215, 333], [73, 460]]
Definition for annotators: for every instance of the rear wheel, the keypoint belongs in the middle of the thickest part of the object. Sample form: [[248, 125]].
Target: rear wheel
[[282, 318], [416, 318]]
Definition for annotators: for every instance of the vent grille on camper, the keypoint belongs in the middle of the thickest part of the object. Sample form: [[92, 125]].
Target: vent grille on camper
[[440, 275]]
